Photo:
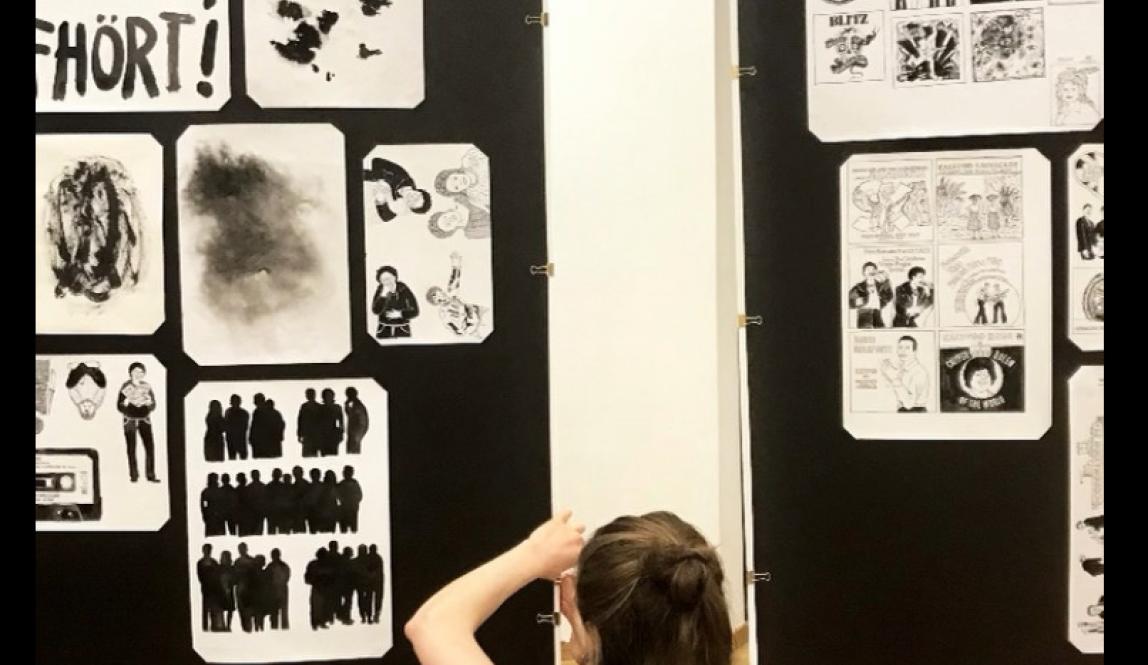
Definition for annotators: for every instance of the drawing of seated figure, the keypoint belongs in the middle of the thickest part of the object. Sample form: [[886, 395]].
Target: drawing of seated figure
[[461, 318], [469, 183], [1094, 467]]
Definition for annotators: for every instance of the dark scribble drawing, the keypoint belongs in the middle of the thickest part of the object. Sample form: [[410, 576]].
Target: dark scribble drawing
[[94, 229], [372, 7], [365, 52], [259, 258], [1092, 566], [308, 35]]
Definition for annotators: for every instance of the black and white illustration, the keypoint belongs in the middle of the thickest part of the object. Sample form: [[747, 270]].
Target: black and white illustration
[[1076, 95], [263, 244], [132, 55], [929, 50], [428, 236], [101, 443], [1008, 45], [289, 554], [893, 287], [849, 48], [892, 371], [1086, 520], [981, 285], [980, 199], [99, 234], [1085, 228], [890, 201], [335, 53], [899, 5], [982, 372]]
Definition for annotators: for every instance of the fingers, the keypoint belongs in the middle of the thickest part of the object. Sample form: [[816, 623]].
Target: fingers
[[564, 515]]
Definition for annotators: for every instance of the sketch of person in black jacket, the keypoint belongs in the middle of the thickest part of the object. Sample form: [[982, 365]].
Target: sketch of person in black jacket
[[136, 402], [358, 421], [235, 422], [462, 318], [394, 304], [395, 190], [870, 297], [331, 424], [913, 300]]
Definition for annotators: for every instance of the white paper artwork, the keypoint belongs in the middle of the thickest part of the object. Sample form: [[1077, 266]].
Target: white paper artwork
[[945, 303], [101, 443], [884, 69], [335, 53], [263, 244], [1086, 489], [99, 234], [288, 514], [428, 239], [132, 55], [1085, 227]]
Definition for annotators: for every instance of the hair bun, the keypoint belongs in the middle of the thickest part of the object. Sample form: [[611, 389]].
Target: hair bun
[[683, 573]]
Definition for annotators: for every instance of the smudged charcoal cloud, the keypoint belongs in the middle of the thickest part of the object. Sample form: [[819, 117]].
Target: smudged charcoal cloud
[[372, 7], [259, 258]]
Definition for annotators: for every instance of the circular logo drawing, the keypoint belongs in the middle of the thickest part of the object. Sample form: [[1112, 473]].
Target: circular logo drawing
[[1094, 298], [1090, 171], [981, 377]]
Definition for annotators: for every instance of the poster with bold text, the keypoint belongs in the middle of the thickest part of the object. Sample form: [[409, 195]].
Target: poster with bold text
[[1086, 520], [1085, 228]]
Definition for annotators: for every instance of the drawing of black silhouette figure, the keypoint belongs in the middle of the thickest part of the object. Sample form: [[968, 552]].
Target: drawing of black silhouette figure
[[279, 573], [334, 562], [1086, 234], [395, 191], [346, 588], [459, 317], [258, 594], [93, 230], [207, 572], [982, 299], [86, 386], [213, 436], [330, 424], [278, 504], [359, 567], [211, 503], [256, 503], [1094, 526], [301, 491], [235, 422], [394, 304], [308, 423], [136, 402], [328, 508], [226, 590], [257, 435], [1092, 566], [276, 432], [243, 505], [358, 421], [312, 500], [350, 495], [316, 575], [229, 506], [377, 577], [244, 565]]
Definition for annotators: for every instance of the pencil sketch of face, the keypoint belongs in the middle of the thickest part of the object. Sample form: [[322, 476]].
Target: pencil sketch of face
[[93, 221], [906, 349], [86, 386], [259, 256], [982, 378]]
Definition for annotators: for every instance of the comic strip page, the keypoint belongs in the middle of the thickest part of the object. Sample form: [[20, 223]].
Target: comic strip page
[[944, 256], [1085, 228], [1086, 527], [884, 69], [288, 519]]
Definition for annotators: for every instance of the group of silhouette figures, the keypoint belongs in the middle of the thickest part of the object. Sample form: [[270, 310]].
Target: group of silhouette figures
[[287, 504], [258, 589], [320, 427]]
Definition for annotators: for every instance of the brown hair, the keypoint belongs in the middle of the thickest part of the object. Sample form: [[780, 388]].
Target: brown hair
[[652, 588]]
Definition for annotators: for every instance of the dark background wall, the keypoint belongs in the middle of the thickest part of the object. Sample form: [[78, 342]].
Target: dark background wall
[[882, 552]]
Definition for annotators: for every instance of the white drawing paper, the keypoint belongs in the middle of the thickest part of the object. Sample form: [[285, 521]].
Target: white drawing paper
[[1086, 523], [1085, 228]]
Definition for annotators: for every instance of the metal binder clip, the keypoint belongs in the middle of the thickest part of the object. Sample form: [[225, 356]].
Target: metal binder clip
[[542, 19], [740, 72], [552, 619], [547, 270], [753, 578], [743, 320]]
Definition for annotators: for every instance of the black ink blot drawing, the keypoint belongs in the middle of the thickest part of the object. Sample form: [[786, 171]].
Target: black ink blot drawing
[[372, 7], [365, 52], [86, 386], [309, 33], [259, 257], [288, 503], [94, 230]]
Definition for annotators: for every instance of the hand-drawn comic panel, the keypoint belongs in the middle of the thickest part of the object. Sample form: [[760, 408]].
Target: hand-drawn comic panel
[[289, 549], [428, 235], [1086, 521], [890, 201], [1086, 204], [982, 372], [1076, 93], [849, 48], [263, 244], [101, 443], [892, 372], [929, 50], [99, 234], [980, 199], [335, 53], [981, 284], [132, 55], [1008, 45], [890, 287]]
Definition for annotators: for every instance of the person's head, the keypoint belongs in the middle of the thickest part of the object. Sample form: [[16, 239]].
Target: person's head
[[213, 480], [277, 475], [348, 472], [387, 277], [373, 549], [906, 347], [225, 558], [286, 479], [255, 475], [321, 554], [225, 480], [260, 560], [1072, 86], [316, 475], [333, 547], [137, 372], [352, 394], [275, 554], [454, 181], [236, 400], [362, 550], [240, 479], [348, 552], [980, 374], [329, 477], [445, 223], [869, 270], [328, 396], [309, 394], [649, 590], [436, 296], [207, 550], [242, 549], [916, 275], [1087, 209], [418, 200], [298, 472], [271, 404], [259, 399], [86, 386], [215, 408]]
